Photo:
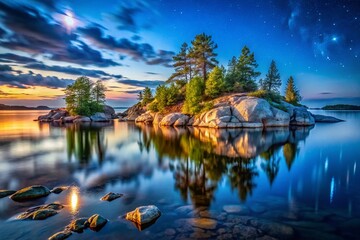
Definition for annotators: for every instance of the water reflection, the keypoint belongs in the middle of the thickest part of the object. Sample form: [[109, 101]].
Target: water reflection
[[201, 157], [85, 140], [74, 200]]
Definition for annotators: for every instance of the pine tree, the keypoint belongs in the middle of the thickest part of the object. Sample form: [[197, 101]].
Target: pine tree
[[214, 86], [182, 65], [202, 52], [140, 96], [242, 74], [146, 96], [194, 94], [292, 95], [272, 81], [98, 92]]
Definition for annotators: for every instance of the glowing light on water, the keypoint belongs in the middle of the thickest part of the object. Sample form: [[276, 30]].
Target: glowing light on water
[[354, 167], [74, 200], [326, 164], [332, 189]]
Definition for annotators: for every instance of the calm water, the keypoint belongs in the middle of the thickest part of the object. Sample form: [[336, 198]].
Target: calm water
[[306, 178]]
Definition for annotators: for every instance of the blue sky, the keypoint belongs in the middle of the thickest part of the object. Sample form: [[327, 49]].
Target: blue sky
[[46, 44]]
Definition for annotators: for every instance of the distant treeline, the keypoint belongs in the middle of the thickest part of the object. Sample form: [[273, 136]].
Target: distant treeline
[[7, 107], [341, 107]]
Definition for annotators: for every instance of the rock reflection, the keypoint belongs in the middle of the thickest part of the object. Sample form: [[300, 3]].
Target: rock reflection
[[201, 157]]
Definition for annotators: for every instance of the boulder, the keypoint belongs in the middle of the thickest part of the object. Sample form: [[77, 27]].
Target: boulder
[[5, 193], [111, 196], [68, 119], [96, 222], [204, 223], [182, 121], [146, 117], [144, 214], [58, 190], [326, 119], [41, 212], [301, 117], [223, 113], [109, 112], [279, 119], [252, 109], [82, 119], [157, 118], [78, 225], [54, 115], [30, 193], [171, 118], [133, 112], [100, 117], [60, 235]]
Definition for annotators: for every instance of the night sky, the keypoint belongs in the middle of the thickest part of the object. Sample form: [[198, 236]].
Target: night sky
[[47, 44]]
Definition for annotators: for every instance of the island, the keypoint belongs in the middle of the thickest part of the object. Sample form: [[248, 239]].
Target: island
[[341, 107], [8, 107]]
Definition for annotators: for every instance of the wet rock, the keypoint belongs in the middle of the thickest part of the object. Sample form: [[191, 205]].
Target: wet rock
[[58, 190], [30, 193], [78, 225], [236, 219], [41, 212], [236, 209], [204, 223], [201, 235], [97, 222], [273, 229], [5, 193], [60, 235], [225, 236], [209, 214], [81, 119], [265, 237], [302, 117], [111, 196], [184, 209], [144, 214]]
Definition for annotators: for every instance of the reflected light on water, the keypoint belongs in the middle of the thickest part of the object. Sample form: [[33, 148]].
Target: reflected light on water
[[354, 168], [326, 164], [332, 189], [74, 200]]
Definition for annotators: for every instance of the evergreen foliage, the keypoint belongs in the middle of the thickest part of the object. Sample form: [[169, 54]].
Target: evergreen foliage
[[194, 94], [84, 97], [215, 85], [272, 81], [182, 65], [292, 95]]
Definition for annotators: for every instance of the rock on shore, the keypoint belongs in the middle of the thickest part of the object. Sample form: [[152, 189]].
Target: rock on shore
[[30, 193], [144, 214]]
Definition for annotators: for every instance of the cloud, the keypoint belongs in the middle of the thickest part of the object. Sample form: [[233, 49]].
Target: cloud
[[326, 93], [13, 58], [71, 70], [138, 83], [128, 15], [138, 51], [152, 73], [35, 33], [5, 68], [26, 80], [49, 4]]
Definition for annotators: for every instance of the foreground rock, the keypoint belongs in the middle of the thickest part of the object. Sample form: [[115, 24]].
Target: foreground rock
[[144, 215], [5, 193], [111, 196], [58, 190], [174, 119], [41, 212], [326, 119], [78, 225], [96, 222], [61, 235], [54, 115], [30, 193], [132, 113]]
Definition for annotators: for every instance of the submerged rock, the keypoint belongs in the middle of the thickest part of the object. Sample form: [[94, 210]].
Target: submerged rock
[[58, 190], [96, 222], [111, 196], [30, 193], [273, 229], [60, 235], [41, 212], [78, 225], [5, 193], [326, 119], [144, 214], [204, 223], [235, 209]]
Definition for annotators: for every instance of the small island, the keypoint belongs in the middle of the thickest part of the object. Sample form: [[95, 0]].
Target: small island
[[341, 107], [8, 107]]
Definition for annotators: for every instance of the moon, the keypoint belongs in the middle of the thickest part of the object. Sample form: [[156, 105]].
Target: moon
[[69, 20]]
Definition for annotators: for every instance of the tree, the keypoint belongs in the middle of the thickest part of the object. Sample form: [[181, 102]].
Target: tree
[[202, 52], [182, 65], [146, 96], [165, 96], [194, 94], [140, 96], [83, 97], [292, 95], [272, 81], [214, 86], [242, 72]]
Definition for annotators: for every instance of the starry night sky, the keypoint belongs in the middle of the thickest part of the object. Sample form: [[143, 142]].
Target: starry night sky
[[46, 44]]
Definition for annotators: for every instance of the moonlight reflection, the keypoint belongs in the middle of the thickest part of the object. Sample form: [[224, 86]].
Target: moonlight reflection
[[74, 200]]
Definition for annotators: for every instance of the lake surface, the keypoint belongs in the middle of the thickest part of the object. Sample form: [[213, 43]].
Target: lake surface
[[300, 183]]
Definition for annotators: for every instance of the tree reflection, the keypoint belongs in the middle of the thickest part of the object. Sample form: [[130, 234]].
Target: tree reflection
[[201, 157], [83, 141]]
